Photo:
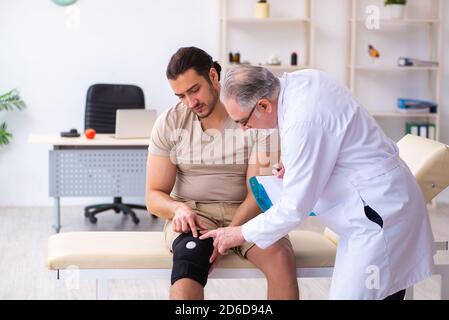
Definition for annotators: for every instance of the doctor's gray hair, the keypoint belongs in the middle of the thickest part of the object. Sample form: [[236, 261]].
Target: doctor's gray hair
[[248, 84]]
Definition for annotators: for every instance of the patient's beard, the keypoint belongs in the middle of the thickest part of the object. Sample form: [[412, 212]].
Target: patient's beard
[[212, 102]]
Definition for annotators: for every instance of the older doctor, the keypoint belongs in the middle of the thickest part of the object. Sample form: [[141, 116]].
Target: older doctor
[[339, 164]]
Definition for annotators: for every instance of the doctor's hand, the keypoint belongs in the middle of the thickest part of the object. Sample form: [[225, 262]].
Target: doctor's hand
[[186, 220], [224, 238], [278, 170]]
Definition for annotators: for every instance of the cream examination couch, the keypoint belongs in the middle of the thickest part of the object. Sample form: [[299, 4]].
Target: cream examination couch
[[129, 255]]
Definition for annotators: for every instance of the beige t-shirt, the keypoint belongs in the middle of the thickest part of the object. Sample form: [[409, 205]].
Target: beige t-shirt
[[212, 164]]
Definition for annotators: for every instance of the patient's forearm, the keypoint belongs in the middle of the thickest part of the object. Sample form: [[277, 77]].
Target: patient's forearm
[[161, 204], [245, 212]]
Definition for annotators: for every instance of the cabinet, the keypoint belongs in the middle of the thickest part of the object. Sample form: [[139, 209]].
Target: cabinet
[[289, 28], [378, 83]]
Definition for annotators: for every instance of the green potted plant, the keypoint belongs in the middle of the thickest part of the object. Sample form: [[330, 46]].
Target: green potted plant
[[262, 9], [8, 102], [397, 8]]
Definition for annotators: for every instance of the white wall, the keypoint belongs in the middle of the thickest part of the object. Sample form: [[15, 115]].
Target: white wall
[[121, 42], [118, 42]]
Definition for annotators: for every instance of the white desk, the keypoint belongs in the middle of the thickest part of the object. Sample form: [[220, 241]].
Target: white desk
[[104, 166], [100, 140]]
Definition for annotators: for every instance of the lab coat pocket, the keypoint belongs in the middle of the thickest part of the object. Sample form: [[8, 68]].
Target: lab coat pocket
[[362, 176], [379, 186], [373, 216], [339, 204]]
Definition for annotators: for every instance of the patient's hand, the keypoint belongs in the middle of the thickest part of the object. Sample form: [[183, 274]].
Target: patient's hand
[[278, 170], [186, 220]]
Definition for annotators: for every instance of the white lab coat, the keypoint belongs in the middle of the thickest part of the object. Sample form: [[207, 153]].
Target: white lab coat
[[338, 160]]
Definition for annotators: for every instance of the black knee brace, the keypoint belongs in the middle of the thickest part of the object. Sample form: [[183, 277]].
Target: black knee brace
[[191, 258]]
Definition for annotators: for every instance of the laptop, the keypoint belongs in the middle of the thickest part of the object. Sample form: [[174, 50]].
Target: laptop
[[134, 123]]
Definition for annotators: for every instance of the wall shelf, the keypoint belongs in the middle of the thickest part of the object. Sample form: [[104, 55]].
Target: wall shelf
[[268, 20], [369, 83], [393, 68], [275, 67], [399, 21], [288, 29], [380, 114]]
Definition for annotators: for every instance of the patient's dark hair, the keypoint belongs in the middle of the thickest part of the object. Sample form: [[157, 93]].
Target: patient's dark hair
[[191, 58]]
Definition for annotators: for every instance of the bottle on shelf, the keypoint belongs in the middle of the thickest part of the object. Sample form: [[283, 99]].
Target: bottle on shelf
[[294, 59], [237, 57], [262, 9]]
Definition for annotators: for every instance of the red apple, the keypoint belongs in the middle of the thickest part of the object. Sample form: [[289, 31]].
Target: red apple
[[90, 133]]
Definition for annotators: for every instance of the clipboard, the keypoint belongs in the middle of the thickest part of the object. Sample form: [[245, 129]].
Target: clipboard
[[259, 189], [267, 190]]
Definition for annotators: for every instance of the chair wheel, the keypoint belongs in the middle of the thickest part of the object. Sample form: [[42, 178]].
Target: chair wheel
[[93, 219], [86, 213], [117, 210], [136, 220]]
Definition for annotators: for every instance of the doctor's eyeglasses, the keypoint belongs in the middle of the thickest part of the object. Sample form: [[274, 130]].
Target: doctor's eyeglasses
[[244, 122]]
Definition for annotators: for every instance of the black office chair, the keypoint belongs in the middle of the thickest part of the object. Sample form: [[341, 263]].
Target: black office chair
[[102, 102]]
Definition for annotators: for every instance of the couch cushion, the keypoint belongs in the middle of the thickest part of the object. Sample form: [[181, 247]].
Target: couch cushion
[[147, 250], [428, 160]]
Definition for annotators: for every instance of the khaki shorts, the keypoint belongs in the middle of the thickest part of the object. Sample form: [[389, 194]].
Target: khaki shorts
[[213, 215]]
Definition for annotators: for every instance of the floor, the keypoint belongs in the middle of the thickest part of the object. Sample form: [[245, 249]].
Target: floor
[[23, 238]]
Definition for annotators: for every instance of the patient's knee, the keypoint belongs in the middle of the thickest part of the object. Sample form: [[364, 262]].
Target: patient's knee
[[282, 261], [284, 255], [191, 258]]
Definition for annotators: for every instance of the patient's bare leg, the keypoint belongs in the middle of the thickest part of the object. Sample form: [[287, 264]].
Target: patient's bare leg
[[278, 264], [186, 289]]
